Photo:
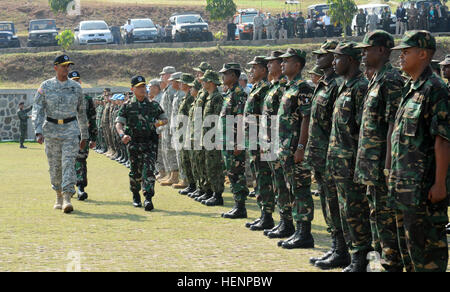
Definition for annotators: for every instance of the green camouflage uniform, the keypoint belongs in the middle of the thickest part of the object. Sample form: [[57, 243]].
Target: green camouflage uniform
[[98, 120], [139, 119], [23, 123], [186, 162]]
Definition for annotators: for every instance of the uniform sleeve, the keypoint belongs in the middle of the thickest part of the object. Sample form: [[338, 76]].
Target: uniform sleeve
[[82, 116], [392, 92], [360, 94], [28, 109], [440, 120], [305, 96], [122, 115], [38, 113]]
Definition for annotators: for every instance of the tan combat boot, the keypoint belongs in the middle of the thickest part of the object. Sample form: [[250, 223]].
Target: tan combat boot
[[173, 179], [67, 206], [166, 178], [161, 175], [181, 185], [59, 201]]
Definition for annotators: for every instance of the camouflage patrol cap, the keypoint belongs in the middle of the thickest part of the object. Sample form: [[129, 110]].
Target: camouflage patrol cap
[[326, 45], [230, 66], [175, 76], [274, 55], [377, 38], [446, 61], [291, 52], [417, 38], [168, 70], [187, 78], [211, 76], [155, 82], [74, 75], [195, 84], [203, 67], [349, 49], [258, 60], [316, 71]]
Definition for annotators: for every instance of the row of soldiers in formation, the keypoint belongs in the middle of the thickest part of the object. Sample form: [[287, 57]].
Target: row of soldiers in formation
[[378, 149]]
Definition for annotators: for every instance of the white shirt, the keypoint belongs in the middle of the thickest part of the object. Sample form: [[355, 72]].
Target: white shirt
[[326, 20], [128, 27]]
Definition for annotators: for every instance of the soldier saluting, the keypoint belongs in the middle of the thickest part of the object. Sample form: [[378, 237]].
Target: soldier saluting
[[59, 115]]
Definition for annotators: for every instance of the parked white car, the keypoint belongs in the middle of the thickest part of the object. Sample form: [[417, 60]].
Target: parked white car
[[93, 32]]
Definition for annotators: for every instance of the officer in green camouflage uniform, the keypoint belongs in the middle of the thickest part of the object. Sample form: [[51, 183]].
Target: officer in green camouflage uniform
[[383, 98], [233, 154], [342, 149], [419, 178], [98, 121], [196, 119], [23, 122], [81, 163], [293, 120], [213, 156], [183, 113], [316, 152], [141, 117], [261, 168], [271, 104]]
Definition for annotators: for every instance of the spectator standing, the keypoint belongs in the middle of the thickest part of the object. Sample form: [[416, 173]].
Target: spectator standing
[[372, 21], [400, 25]]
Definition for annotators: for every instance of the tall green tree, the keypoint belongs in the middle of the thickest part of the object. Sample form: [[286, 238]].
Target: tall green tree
[[342, 12], [220, 9], [59, 6]]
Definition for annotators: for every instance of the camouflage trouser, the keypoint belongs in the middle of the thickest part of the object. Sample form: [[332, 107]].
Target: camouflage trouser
[[423, 224], [329, 201], [298, 178], [384, 227], [169, 154], [61, 156], [235, 169], [265, 196], [142, 166], [198, 169], [282, 192], [23, 132], [214, 170], [159, 160], [249, 174], [186, 165], [81, 166]]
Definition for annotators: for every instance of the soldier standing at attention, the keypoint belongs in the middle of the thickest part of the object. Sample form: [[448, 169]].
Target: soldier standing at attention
[[361, 22], [293, 120], [81, 163], [23, 122], [383, 98], [418, 179], [341, 156], [59, 116], [258, 26], [136, 125]]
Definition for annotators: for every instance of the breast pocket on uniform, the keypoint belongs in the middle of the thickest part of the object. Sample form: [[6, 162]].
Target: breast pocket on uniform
[[345, 109], [411, 118]]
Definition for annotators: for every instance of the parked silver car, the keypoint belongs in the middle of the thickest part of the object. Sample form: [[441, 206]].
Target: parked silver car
[[144, 31], [93, 32]]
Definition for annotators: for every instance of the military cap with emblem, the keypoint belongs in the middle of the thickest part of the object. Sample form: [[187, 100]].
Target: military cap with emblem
[[316, 71], [195, 84], [137, 81], [63, 60], [168, 70], [349, 49], [211, 76], [446, 61], [417, 38], [274, 55], [258, 60], [187, 78], [325, 47], [203, 67], [230, 66], [291, 52], [74, 75], [379, 38], [175, 76]]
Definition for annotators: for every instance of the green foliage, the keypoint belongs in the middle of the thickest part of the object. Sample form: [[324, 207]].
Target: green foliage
[[65, 39], [218, 35], [342, 12], [59, 6], [220, 9]]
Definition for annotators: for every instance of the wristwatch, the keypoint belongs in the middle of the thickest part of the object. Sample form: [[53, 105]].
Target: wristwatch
[[300, 146], [386, 171]]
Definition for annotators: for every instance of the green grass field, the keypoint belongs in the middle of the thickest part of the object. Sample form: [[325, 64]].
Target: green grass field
[[110, 235]]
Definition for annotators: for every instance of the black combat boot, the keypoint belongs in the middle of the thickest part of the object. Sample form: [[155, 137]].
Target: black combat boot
[[197, 193], [275, 228], [302, 237], [215, 200], [359, 262], [266, 222], [326, 255], [207, 195], [239, 211], [248, 224], [22, 146], [137, 200], [191, 188], [81, 194], [148, 204], [340, 258], [285, 230]]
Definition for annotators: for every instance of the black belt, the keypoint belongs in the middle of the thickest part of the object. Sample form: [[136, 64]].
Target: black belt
[[61, 122]]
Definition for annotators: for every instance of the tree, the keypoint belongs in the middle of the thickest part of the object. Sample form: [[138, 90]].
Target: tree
[[59, 6], [220, 9], [342, 12], [65, 39]]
